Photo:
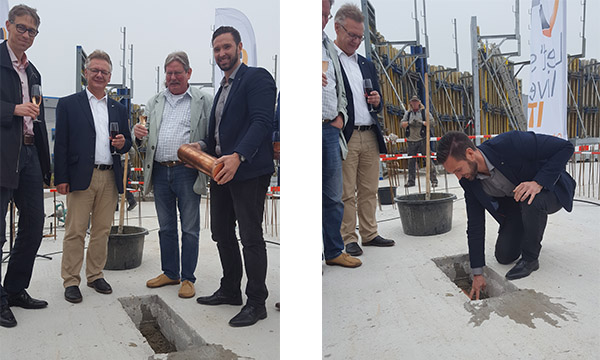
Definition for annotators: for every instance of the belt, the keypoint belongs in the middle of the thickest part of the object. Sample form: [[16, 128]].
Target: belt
[[28, 139], [103, 167], [363, 127], [325, 121], [170, 163]]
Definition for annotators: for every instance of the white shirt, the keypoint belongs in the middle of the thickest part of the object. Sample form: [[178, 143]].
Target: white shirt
[[20, 67], [100, 114], [350, 65]]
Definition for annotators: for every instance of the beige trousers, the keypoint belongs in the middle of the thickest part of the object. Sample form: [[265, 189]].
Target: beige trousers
[[97, 205], [361, 181]]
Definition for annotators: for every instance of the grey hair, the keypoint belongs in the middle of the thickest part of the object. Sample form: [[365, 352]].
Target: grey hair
[[350, 11], [98, 54], [23, 10], [180, 56]]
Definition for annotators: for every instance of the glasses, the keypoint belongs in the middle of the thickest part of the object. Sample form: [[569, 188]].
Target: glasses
[[174, 73], [353, 36], [96, 71], [21, 29]]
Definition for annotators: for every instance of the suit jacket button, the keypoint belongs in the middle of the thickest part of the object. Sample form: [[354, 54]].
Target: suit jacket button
[[152, 147], [148, 166]]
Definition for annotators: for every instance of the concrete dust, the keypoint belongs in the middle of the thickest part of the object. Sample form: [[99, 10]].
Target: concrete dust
[[522, 306]]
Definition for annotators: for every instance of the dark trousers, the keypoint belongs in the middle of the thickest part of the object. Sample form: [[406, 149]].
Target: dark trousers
[[241, 201], [522, 231], [29, 199], [415, 147]]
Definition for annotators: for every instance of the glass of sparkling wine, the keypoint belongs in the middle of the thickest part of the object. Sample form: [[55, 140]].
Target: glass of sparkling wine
[[36, 97]]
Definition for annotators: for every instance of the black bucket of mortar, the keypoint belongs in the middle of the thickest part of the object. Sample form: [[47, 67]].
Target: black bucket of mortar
[[386, 195], [125, 250], [422, 217]]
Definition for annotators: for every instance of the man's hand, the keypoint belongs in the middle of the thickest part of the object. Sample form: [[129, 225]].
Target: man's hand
[[527, 189], [404, 124], [27, 109], [63, 188], [324, 79], [374, 98], [118, 142], [140, 131], [276, 154], [230, 166], [478, 285], [338, 122]]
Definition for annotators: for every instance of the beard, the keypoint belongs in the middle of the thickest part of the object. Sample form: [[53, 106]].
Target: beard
[[229, 65], [472, 170]]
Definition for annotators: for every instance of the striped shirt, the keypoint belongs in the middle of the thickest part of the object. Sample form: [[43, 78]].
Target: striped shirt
[[174, 126], [329, 93]]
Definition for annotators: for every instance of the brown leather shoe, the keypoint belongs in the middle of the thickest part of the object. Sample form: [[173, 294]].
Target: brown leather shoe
[[161, 280], [344, 260], [187, 289]]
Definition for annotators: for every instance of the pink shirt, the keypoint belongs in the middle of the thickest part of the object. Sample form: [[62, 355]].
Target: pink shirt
[[20, 67]]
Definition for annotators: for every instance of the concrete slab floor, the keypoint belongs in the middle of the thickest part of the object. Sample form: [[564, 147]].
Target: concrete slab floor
[[400, 305], [99, 327]]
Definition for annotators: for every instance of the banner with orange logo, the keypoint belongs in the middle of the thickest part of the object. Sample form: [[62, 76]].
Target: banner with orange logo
[[547, 105], [3, 18], [237, 19]]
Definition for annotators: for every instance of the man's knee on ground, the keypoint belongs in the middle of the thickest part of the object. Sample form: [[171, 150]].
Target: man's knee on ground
[[506, 257]]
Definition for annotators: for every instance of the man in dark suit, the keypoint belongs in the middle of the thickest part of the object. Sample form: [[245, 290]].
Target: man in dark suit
[[89, 172], [24, 160], [519, 178], [362, 132], [239, 134]]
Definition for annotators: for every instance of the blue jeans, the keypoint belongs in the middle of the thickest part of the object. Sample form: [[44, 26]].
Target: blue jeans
[[173, 189], [29, 199], [333, 207]]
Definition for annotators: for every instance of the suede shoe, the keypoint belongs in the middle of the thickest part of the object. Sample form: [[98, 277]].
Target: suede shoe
[[249, 315], [73, 295], [344, 260], [25, 301], [353, 249], [101, 286], [379, 241], [7, 319], [187, 289], [161, 280], [522, 269], [219, 298]]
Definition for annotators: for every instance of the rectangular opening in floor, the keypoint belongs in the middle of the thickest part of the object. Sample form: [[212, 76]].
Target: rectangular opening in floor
[[458, 269], [167, 332]]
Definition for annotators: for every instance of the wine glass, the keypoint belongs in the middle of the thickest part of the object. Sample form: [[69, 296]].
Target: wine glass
[[368, 86], [36, 98], [114, 131]]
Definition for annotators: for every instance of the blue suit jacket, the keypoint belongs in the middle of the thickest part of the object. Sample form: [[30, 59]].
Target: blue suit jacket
[[75, 143], [247, 122], [520, 156], [368, 72]]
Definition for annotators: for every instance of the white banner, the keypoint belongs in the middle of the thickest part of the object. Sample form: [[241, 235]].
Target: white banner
[[3, 19], [236, 19], [547, 106]]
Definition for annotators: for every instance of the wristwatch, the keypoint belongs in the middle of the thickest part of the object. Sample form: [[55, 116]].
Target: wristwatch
[[242, 158]]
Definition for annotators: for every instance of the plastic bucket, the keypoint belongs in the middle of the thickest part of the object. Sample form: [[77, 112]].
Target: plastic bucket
[[125, 250], [386, 197], [422, 217]]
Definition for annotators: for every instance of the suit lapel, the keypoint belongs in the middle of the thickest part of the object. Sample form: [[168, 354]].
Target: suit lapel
[[87, 111]]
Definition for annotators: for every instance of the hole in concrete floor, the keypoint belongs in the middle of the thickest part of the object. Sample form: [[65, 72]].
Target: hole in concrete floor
[[458, 269], [167, 333]]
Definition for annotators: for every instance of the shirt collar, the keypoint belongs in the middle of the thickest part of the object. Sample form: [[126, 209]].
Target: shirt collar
[[341, 53], [169, 94], [23, 63], [489, 166], [90, 95], [232, 76]]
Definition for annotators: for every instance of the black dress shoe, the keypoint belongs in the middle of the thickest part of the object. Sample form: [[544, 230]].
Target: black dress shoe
[[7, 319], [379, 241], [132, 205], [72, 294], [249, 315], [25, 301], [101, 286], [409, 184], [218, 298], [522, 269], [353, 249]]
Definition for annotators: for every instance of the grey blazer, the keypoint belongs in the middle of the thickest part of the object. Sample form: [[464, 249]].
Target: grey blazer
[[200, 112]]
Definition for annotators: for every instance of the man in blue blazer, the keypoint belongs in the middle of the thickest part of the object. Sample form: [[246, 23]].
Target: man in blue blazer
[[239, 135], [363, 134], [519, 178], [89, 172]]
